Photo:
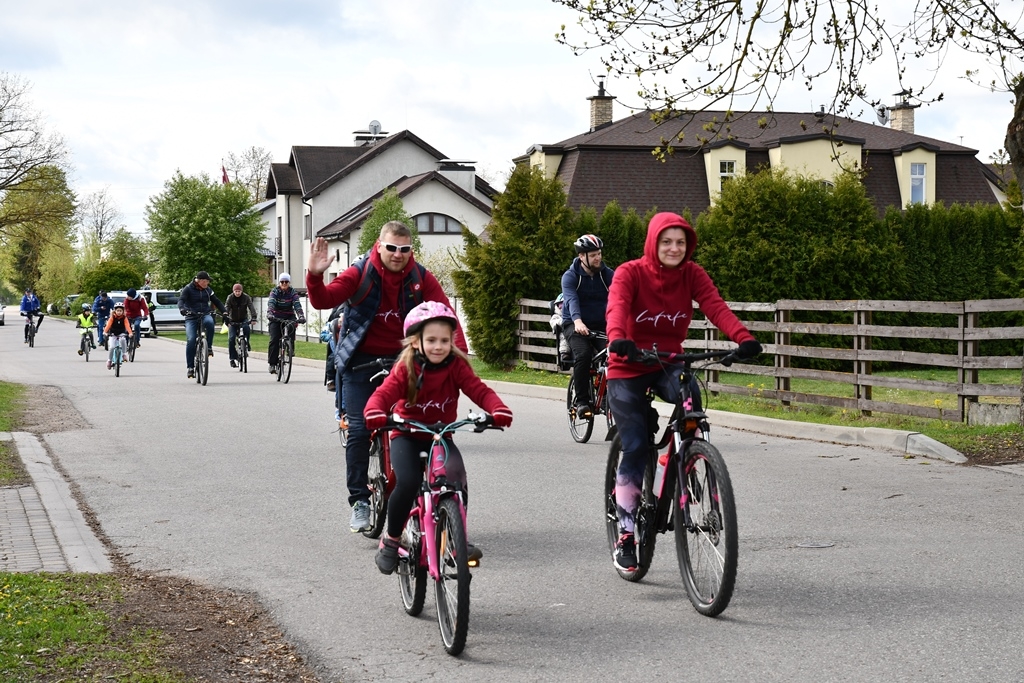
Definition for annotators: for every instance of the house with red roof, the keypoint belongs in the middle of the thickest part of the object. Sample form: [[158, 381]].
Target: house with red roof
[[329, 192], [614, 160]]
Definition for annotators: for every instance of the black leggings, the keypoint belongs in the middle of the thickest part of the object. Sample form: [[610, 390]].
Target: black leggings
[[408, 466]]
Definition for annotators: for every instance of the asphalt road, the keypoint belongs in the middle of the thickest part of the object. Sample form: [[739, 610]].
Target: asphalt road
[[240, 484]]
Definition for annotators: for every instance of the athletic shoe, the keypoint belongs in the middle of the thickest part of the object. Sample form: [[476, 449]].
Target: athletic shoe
[[191, 373], [584, 411], [234, 364], [109, 365], [211, 353], [273, 369], [387, 556], [625, 553], [330, 385], [80, 352], [473, 554], [360, 517]]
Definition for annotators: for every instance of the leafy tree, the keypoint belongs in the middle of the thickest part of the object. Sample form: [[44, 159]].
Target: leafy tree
[[110, 276], [197, 224], [38, 215], [623, 234], [443, 264], [129, 248], [57, 273], [250, 169], [747, 49], [530, 243], [389, 207], [27, 152]]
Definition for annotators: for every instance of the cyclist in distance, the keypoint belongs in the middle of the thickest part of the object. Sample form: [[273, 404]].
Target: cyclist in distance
[[585, 295], [424, 386], [194, 303], [240, 311], [117, 329], [31, 308], [381, 287], [282, 304], [85, 321], [135, 308], [651, 303], [102, 306]]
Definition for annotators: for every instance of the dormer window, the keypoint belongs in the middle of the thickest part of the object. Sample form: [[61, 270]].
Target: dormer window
[[726, 171], [917, 183]]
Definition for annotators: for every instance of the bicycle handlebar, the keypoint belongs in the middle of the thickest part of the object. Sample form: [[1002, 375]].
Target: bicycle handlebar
[[380, 363], [654, 356], [479, 421]]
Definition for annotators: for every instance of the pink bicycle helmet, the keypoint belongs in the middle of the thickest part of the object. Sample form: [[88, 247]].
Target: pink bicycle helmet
[[424, 313]]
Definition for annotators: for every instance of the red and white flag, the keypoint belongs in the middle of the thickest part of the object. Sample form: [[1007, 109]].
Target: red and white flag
[[223, 174]]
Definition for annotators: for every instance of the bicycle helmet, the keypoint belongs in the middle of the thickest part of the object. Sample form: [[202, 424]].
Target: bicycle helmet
[[86, 307], [588, 243], [119, 304], [425, 313]]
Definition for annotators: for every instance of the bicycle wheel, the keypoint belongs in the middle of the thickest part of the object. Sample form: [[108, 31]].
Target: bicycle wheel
[[378, 483], [86, 347], [579, 427], [451, 590], [287, 351], [412, 575], [117, 359], [241, 353], [31, 333], [644, 531], [202, 359], [131, 350], [707, 544]]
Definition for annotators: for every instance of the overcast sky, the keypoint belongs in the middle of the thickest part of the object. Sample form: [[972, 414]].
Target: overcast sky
[[140, 89]]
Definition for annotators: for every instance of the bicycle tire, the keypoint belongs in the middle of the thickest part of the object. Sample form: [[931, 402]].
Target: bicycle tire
[[131, 350], [201, 360], [451, 589], [287, 352], [86, 347], [579, 427], [378, 482], [644, 532], [412, 575], [31, 333], [707, 541], [117, 360], [241, 354]]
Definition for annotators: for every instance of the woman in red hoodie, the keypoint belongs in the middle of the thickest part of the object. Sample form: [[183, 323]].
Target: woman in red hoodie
[[651, 303], [424, 386]]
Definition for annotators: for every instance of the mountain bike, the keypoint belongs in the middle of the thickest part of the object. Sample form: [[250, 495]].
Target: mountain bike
[[86, 344], [433, 542], [241, 347], [581, 426], [203, 346], [32, 327], [697, 503], [381, 478], [133, 344], [119, 352], [286, 351]]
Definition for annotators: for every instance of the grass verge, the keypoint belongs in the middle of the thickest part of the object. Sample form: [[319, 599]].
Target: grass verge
[[12, 471]]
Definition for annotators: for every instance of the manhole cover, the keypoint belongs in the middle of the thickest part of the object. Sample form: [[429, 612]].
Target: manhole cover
[[815, 544]]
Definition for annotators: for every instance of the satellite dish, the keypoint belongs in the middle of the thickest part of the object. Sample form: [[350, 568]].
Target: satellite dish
[[883, 114], [374, 127]]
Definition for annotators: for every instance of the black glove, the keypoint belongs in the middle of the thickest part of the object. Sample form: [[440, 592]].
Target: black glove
[[623, 347], [301, 321], [748, 349]]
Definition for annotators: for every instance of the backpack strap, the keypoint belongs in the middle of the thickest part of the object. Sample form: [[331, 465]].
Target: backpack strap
[[364, 282]]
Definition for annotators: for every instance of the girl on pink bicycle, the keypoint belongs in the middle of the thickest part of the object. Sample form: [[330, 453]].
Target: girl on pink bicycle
[[424, 386]]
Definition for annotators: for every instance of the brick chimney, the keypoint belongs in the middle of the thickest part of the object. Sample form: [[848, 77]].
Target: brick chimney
[[600, 108], [901, 115]]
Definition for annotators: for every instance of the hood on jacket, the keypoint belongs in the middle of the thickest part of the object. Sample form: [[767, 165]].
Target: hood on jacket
[[659, 223]]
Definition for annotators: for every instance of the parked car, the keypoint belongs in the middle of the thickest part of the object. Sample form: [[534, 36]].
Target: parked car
[[67, 307], [1, 314], [163, 303], [119, 297]]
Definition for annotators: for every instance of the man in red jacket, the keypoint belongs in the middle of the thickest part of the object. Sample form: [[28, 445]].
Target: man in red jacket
[[380, 288], [135, 309], [651, 302]]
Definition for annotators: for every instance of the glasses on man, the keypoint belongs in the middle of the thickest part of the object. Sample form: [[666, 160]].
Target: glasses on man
[[400, 248], [286, 282]]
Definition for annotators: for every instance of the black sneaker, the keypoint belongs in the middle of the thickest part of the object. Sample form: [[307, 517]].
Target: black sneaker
[[387, 556], [234, 364], [191, 373], [331, 386], [625, 553], [473, 554], [273, 369], [584, 411]]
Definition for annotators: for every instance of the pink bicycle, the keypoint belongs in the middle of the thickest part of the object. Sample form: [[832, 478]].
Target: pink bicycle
[[434, 539]]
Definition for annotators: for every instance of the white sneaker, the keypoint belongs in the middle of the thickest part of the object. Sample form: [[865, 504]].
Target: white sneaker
[[360, 517]]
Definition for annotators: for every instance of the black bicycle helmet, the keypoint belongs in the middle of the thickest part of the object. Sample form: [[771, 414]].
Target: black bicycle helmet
[[588, 243]]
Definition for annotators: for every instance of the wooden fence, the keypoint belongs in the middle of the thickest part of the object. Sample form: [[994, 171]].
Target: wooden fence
[[536, 348]]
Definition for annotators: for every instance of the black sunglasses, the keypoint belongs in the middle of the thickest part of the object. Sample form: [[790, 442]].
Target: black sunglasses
[[403, 248]]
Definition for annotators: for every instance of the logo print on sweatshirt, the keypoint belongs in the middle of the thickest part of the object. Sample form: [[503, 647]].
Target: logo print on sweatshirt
[[432, 405], [647, 317], [387, 314]]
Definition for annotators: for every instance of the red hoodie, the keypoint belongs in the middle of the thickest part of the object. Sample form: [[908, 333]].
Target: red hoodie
[[653, 304]]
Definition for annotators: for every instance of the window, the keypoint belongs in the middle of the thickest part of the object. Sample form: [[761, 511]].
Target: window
[[307, 229], [726, 170], [277, 242], [437, 223], [917, 177]]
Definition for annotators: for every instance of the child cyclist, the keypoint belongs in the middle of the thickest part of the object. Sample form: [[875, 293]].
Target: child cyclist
[[424, 386], [118, 328], [86, 323]]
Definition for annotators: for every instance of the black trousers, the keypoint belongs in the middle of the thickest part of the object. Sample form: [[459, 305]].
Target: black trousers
[[583, 350]]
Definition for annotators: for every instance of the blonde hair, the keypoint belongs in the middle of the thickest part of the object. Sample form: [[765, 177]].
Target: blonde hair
[[396, 228], [408, 359]]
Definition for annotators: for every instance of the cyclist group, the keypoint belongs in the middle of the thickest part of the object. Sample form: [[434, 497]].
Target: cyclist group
[[392, 308]]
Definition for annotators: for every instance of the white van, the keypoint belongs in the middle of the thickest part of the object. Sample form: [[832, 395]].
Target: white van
[[163, 307]]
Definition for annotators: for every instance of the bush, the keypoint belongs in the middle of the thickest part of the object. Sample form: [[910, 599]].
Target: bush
[[109, 276]]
